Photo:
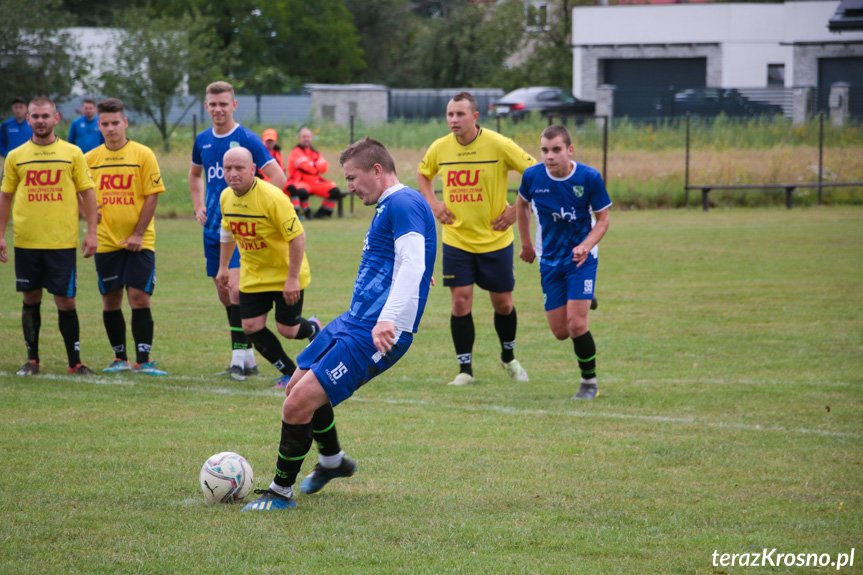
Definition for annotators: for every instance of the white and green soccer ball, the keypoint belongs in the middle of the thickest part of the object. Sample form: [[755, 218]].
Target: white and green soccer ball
[[226, 477]]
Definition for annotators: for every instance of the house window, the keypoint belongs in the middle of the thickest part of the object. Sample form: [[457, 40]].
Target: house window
[[536, 16], [776, 75]]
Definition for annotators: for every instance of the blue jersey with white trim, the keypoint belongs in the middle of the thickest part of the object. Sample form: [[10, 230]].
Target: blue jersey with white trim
[[398, 213], [563, 208], [208, 151]]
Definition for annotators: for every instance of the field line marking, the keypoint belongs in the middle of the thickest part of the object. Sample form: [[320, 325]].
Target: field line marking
[[123, 381]]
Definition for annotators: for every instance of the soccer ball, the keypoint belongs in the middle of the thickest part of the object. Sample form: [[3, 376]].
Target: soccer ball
[[226, 477]]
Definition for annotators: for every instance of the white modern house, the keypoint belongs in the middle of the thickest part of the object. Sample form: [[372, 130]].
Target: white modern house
[[647, 51]]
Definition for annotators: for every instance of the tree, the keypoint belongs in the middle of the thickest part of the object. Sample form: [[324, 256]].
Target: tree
[[155, 63], [549, 55], [35, 56], [467, 43], [302, 41]]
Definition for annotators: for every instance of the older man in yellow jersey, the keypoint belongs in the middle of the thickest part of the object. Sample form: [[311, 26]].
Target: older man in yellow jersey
[[45, 177], [474, 164], [258, 218], [128, 185]]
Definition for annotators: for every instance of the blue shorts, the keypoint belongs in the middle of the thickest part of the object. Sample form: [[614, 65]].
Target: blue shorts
[[343, 357], [492, 271], [54, 270], [212, 251], [122, 268], [566, 282]]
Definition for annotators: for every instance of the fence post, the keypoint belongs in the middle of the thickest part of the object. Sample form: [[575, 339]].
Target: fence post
[[788, 192], [498, 123], [194, 126], [605, 150], [705, 204], [820, 157], [686, 177], [352, 195]]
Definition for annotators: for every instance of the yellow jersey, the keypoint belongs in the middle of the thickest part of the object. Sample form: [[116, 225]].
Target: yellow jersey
[[124, 178], [263, 222], [46, 181], [474, 186]]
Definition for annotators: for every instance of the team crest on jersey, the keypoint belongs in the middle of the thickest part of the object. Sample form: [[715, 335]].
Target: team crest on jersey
[[578, 191], [380, 209], [235, 144]]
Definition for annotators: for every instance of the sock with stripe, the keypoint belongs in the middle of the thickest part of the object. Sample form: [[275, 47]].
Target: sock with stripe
[[324, 430], [462, 338], [585, 353], [115, 327], [142, 333], [268, 346], [505, 326], [294, 445], [239, 340], [70, 330]]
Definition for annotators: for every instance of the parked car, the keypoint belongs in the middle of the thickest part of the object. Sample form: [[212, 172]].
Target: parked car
[[713, 101], [541, 99]]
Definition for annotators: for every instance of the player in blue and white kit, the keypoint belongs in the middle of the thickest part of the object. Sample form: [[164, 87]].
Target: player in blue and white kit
[[570, 205], [207, 153], [389, 297]]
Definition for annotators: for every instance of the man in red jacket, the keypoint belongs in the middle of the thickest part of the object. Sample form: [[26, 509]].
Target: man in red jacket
[[305, 168]]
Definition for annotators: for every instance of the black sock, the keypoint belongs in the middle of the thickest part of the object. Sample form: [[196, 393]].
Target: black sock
[[306, 330], [585, 353], [115, 327], [31, 321], [239, 340], [142, 333], [294, 445], [324, 428], [462, 338], [505, 326], [70, 331], [268, 346]]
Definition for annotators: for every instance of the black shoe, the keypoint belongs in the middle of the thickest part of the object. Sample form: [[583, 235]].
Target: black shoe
[[248, 371], [594, 304], [237, 373], [316, 480], [323, 213], [307, 213]]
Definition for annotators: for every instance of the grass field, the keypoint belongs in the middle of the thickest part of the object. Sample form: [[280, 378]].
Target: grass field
[[730, 419]]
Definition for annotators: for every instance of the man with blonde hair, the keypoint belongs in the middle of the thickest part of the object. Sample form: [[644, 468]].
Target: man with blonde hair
[[207, 154]]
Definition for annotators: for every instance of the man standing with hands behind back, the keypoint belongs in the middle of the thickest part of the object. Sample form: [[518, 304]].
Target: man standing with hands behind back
[[474, 164], [45, 177]]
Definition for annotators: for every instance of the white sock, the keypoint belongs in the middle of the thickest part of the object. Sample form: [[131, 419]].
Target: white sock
[[591, 381], [331, 461], [237, 357], [285, 491], [249, 360]]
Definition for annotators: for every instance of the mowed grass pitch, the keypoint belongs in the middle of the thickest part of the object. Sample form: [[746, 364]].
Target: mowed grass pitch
[[730, 363]]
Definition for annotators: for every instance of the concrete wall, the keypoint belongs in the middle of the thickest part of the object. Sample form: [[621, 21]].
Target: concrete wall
[[747, 38], [368, 103]]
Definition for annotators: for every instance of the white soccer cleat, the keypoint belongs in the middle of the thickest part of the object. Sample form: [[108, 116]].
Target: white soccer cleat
[[515, 370], [461, 380]]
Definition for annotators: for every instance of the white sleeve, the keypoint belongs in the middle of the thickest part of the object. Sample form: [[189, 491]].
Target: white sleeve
[[403, 301], [225, 236]]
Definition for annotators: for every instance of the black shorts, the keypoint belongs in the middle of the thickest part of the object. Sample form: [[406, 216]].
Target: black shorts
[[54, 270], [258, 304], [122, 268], [492, 271]]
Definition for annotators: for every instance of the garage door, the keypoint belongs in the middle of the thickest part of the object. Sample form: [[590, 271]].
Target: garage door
[[646, 86], [848, 70]]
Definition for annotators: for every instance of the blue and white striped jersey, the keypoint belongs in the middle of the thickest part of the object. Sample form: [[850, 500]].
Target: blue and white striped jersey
[[563, 208], [398, 260], [208, 151]]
